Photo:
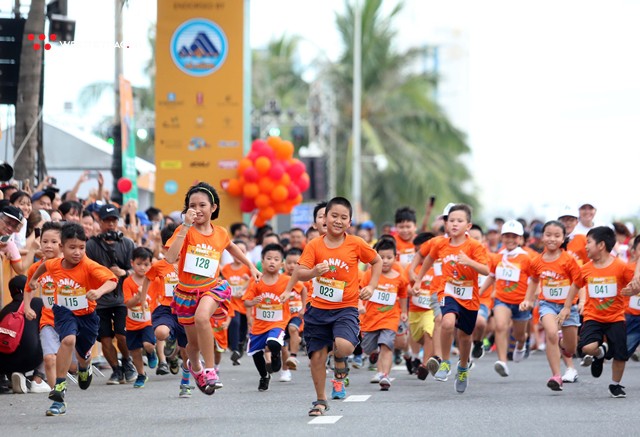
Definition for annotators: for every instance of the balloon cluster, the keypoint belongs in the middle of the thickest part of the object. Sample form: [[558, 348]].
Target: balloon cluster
[[269, 179]]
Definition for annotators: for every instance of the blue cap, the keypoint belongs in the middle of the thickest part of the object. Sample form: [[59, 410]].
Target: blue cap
[[143, 217], [368, 225]]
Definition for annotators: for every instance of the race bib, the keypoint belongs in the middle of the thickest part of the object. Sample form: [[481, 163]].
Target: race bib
[[295, 306], [634, 302], [459, 289], [437, 268], [508, 272], [384, 295], [481, 279], [423, 300], [600, 288], [73, 299], [406, 258], [169, 286], [555, 289], [269, 313], [202, 262], [138, 314], [237, 290], [328, 289], [48, 297]]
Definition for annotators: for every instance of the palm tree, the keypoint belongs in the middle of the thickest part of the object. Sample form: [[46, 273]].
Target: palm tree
[[400, 120]]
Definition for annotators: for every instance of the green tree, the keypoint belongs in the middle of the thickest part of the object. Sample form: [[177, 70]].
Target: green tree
[[400, 120]]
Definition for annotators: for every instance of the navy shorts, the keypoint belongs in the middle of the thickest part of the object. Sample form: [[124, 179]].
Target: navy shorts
[[135, 339], [295, 321], [321, 327], [616, 333], [162, 316], [85, 328], [465, 319], [258, 342], [112, 321]]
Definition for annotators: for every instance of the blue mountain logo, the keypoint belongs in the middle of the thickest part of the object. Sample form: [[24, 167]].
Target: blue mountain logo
[[199, 47]]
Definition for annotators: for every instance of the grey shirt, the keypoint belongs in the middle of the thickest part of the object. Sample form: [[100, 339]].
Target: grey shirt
[[119, 254]]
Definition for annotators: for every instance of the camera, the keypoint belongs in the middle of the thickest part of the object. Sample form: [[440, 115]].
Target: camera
[[111, 236]]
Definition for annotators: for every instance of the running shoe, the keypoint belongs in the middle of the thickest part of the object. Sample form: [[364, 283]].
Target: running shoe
[[443, 371], [462, 380], [84, 377], [140, 380], [433, 364], [373, 357], [376, 378], [501, 368], [422, 372], [235, 358], [185, 391], [285, 375], [130, 373], [58, 392], [57, 409], [571, 375], [518, 354], [338, 390], [292, 363], [586, 361], [617, 391], [163, 369], [212, 381], [199, 378], [19, 383], [264, 383], [152, 360], [358, 362], [478, 350], [174, 365], [555, 383], [116, 377], [385, 383]]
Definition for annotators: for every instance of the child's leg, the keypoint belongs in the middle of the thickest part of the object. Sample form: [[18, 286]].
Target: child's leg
[[294, 339], [617, 370], [193, 350], [260, 363], [385, 359], [233, 332], [64, 357], [519, 331], [591, 348], [569, 343], [447, 328], [550, 325], [50, 369], [136, 354], [437, 336], [206, 307], [318, 372], [464, 346], [481, 325], [285, 356], [217, 356], [502, 317]]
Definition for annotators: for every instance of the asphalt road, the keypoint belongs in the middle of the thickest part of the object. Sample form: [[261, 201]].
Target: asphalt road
[[520, 404]]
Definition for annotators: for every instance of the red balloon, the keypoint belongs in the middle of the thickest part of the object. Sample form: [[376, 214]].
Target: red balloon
[[266, 150], [293, 191], [276, 171], [253, 155], [251, 174], [258, 144], [247, 205], [296, 169], [303, 182], [124, 185]]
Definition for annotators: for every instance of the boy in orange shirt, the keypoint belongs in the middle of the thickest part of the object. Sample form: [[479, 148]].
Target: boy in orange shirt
[[331, 319], [383, 312], [270, 315], [79, 283], [406, 227], [138, 322], [238, 276], [604, 277], [463, 258]]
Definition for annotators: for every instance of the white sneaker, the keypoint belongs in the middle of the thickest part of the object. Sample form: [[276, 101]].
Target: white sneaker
[[292, 363], [586, 361], [285, 376], [41, 387], [518, 354], [376, 378], [571, 375], [501, 368], [19, 383]]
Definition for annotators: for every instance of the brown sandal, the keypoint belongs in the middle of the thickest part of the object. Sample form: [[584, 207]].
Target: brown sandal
[[320, 407]]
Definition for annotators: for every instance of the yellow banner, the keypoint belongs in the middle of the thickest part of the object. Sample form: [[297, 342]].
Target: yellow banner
[[199, 100]]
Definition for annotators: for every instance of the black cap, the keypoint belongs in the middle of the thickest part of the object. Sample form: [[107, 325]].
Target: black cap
[[108, 211], [13, 213]]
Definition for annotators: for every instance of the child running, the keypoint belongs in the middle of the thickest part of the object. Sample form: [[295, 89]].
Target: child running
[[510, 274], [383, 312], [79, 283], [463, 258], [271, 314], [604, 277], [557, 269], [197, 246], [331, 319], [138, 323]]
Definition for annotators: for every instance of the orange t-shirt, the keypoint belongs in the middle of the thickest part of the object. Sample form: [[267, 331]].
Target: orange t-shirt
[[270, 313], [72, 284], [486, 299], [512, 276], [604, 302], [163, 278], [405, 251], [48, 294], [137, 317], [421, 302], [633, 307], [555, 277], [295, 303], [383, 308], [199, 264], [578, 248], [220, 335], [238, 280], [460, 282], [338, 288], [437, 283]]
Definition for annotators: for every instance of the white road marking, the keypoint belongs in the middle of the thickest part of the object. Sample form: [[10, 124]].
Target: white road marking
[[357, 398], [324, 420]]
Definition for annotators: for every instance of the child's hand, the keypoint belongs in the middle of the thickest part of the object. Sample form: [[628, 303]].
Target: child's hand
[[361, 309], [93, 295], [321, 268], [285, 296], [525, 305], [366, 292], [463, 259], [256, 274], [30, 314], [564, 313], [628, 291], [190, 216], [404, 317]]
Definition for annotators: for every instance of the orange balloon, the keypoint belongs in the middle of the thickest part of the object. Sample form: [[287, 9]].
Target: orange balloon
[[259, 222], [234, 188], [285, 150], [285, 179], [244, 164], [250, 190], [289, 207], [266, 213], [266, 185], [263, 164], [280, 208], [262, 201], [297, 200], [274, 142], [279, 193]]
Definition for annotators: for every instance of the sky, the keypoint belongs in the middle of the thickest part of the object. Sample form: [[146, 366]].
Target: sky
[[547, 92]]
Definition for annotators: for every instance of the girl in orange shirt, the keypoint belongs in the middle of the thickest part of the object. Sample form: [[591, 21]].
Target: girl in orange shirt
[[197, 245]]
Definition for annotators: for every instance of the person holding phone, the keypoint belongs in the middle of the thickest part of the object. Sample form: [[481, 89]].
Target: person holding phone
[[10, 223]]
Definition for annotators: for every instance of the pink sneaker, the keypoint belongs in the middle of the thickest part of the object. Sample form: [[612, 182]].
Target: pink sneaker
[[212, 381], [555, 383], [199, 378]]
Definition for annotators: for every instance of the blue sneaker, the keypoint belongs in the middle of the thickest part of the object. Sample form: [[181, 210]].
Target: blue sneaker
[[140, 380], [152, 360], [358, 362], [57, 409], [338, 391]]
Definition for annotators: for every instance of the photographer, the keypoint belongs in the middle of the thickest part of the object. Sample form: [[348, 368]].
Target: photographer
[[111, 249]]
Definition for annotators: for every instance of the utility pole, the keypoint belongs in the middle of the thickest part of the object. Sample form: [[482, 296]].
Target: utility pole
[[356, 183], [116, 163]]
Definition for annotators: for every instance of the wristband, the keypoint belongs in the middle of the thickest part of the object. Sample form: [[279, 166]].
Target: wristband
[[186, 225]]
